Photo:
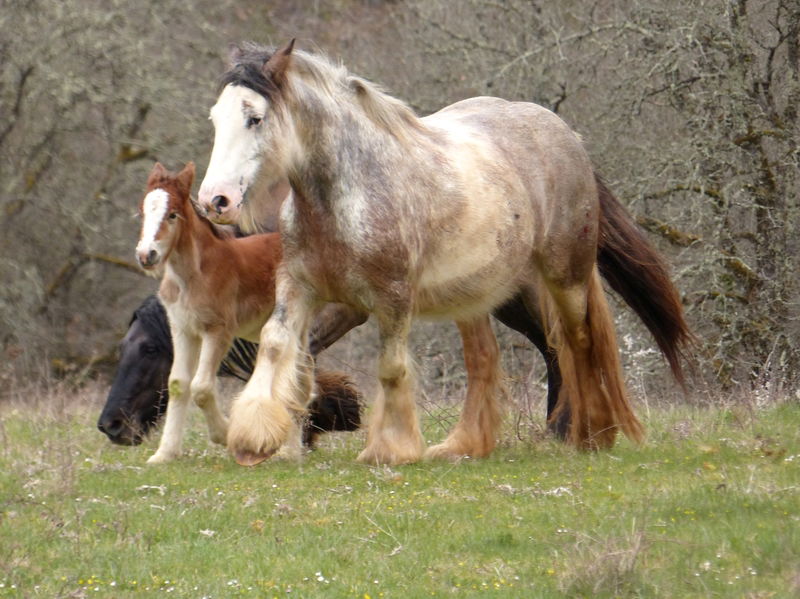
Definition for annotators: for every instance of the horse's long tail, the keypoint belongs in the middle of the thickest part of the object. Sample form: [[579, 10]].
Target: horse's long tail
[[637, 272]]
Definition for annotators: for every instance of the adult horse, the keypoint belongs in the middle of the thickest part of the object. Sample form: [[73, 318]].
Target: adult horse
[[448, 216], [139, 394]]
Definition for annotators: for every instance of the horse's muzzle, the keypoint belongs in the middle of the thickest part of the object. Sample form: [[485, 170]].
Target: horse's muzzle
[[147, 259]]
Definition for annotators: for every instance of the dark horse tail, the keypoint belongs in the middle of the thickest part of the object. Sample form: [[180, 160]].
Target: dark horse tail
[[636, 272]]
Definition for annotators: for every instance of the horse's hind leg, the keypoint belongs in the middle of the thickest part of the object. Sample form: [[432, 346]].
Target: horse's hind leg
[[475, 434], [394, 436], [526, 318], [180, 376], [204, 384], [592, 376]]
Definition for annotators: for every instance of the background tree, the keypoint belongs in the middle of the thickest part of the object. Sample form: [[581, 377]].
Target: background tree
[[689, 110]]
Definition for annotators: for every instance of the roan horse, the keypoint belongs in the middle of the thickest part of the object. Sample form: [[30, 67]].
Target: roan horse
[[214, 288], [138, 396], [447, 216]]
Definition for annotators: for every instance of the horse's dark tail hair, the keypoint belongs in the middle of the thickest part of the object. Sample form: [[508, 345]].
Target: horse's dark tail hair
[[636, 271], [240, 360], [336, 407]]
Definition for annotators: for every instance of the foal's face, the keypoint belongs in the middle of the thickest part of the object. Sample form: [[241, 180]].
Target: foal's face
[[242, 126], [160, 225], [163, 211]]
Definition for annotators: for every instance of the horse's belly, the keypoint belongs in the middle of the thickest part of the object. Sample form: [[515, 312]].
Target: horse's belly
[[456, 292], [251, 331]]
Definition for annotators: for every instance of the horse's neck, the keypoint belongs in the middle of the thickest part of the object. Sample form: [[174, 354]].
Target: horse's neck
[[195, 243], [337, 145]]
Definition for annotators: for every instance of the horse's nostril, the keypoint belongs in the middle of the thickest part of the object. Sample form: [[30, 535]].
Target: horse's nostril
[[112, 428], [151, 256], [218, 203]]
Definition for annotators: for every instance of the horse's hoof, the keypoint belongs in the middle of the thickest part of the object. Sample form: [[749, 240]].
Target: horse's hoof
[[251, 458], [378, 457], [444, 452], [220, 439], [160, 458]]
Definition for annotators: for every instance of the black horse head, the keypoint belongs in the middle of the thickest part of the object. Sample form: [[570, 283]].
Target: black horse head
[[138, 395]]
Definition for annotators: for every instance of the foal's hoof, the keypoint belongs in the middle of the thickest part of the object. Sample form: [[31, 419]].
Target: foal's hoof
[[161, 458], [251, 458]]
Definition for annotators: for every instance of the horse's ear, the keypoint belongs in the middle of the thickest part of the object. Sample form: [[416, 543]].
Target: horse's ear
[[234, 53], [156, 173], [185, 178], [277, 64]]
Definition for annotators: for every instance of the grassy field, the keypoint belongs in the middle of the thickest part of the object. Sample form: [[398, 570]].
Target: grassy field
[[708, 507]]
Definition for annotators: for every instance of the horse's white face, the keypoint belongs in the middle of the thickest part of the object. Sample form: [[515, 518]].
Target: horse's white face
[[243, 125], [159, 229]]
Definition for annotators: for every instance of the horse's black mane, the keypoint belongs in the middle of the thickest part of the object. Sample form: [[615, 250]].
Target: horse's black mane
[[237, 363], [153, 318], [248, 70]]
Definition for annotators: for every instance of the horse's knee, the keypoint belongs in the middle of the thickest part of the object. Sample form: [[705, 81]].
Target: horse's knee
[[274, 340], [393, 374], [202, 393], [580, 337], [178, 389]]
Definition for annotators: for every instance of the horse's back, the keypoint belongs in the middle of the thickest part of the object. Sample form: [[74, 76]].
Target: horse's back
[[533, 153], [529, 135], [529, 198]]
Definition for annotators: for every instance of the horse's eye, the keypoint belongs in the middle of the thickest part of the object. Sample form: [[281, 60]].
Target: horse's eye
[[253, 121], [173, 215], [149, 349]]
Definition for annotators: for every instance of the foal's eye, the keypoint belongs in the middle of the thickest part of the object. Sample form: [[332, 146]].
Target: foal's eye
[[253, 121], [173, 215]]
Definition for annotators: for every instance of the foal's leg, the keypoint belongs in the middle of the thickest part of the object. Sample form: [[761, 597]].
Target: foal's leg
[[184, 364], [394, 436], [204, 384], [476, 432], [266, 413]]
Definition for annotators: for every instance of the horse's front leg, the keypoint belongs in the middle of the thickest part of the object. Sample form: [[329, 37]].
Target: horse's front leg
[[476, 432], [186, 349], [266, 413], [204, 383], [394, 436]]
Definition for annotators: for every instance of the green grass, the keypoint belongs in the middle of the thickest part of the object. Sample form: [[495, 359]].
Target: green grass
[[708, 507]]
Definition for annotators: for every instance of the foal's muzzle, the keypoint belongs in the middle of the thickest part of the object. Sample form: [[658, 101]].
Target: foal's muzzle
[[147, 259]]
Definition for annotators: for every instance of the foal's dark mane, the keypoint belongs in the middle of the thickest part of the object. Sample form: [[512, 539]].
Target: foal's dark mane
[[151, 314]]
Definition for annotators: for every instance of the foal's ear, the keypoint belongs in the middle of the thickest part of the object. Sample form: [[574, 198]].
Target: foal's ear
[[157, 173], [277, 64], [185, 179]]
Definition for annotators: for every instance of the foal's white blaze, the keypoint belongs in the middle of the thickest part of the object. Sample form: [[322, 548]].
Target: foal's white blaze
[[236, 157], [154, 210]]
